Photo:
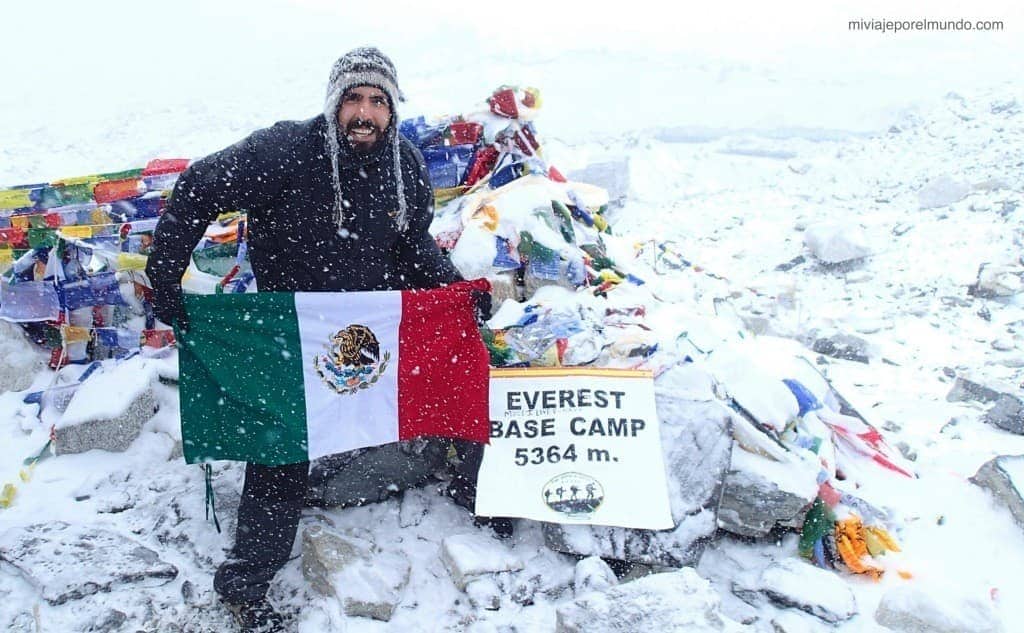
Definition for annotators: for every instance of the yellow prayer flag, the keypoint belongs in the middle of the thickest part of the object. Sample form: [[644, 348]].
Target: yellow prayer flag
[[19, 221], [79, 232], [15, 198], [73, 334], [131, 261]]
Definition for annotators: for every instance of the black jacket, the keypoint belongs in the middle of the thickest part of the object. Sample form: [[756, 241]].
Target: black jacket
[[281, 177]]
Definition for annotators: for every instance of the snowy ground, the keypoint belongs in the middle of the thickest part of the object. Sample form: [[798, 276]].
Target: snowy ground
[[738, 134]]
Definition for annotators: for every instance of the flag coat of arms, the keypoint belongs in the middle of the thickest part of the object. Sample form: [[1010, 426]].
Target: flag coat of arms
[[280, 377]]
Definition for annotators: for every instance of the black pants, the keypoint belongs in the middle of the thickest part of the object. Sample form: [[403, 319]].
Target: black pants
[[268, 519]]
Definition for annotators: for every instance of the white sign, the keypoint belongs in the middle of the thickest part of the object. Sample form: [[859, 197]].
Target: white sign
[[574, 446]]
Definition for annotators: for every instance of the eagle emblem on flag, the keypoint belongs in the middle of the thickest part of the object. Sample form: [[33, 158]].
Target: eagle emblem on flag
[[352, 361]]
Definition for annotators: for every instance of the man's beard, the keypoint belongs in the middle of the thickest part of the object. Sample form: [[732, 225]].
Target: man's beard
[[363, 147]]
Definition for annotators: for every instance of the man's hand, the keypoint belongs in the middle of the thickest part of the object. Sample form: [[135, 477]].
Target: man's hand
[[481, 306], [169, 307]]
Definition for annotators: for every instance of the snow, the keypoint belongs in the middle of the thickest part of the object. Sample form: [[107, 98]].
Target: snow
[[741, 127]]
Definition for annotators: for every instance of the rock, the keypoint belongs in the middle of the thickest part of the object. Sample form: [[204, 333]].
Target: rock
[[1001, 477], [967, 388], [368, 582], [791, 264], [413, 509], [1003, 345], [545, 573], [997, 280], [110, 620], [369, 475], [484, 593], [469, 556], [22, 360], [69, 562], [108, 410], [836, 242], [843, 347], [761, 493], [1007, 414], [792, 583], [593, 574], [942, 192], [696, 444], [676, 601], [613, 176], [916, 609]]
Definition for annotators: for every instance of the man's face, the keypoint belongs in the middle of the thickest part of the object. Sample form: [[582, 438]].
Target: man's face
[[363, 117]]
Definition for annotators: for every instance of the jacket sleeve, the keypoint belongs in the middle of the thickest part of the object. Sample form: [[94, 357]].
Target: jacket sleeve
[[419, 259], [228, 180]]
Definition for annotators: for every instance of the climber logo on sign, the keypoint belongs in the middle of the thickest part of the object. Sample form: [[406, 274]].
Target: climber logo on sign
[[573, 494], [352, 361]]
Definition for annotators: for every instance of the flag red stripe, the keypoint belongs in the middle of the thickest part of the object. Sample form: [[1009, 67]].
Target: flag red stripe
[[443, 365]]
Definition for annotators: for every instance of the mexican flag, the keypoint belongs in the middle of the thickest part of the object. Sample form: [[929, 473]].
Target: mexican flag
[[280, 377]]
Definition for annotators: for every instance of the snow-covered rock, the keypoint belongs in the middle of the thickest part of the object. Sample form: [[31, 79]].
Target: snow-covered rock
[[108, 410], [676, 601], [942, 192], [792, 583], [593, 574], [696, 444], [1007, 414], [843, 347], [22, 360], [373, 474], [998, 280], [65, 562], [484, 593], [761, 493], [1003, 477], [968, 388], [367, 581], [836, 242], [916, 609], [470, 556]]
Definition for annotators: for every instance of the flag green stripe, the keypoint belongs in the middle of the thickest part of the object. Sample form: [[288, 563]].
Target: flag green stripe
[[241, 386]]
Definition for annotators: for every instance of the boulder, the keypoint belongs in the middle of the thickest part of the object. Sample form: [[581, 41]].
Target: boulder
[[593, 574], [696, 444], [793, 583], [998, 280], [1007, 414], [471, 556], [761, 493], [369, 475], [676, 601], [836, 242], [367, 581], [22, 360], [484, 593], [108, 410], [916, 609], [67, 562], [967, 388], [843, 347], [1002, 477]]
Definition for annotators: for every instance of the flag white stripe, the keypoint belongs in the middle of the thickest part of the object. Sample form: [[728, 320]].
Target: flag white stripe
[[339, 422]]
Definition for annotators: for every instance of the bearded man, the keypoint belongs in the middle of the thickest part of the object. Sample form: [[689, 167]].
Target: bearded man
[[338, 202]]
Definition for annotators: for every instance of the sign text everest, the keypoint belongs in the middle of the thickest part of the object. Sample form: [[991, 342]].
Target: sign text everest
[[562, 398]]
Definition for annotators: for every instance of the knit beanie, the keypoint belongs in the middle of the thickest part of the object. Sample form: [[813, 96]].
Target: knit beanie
[[364, 66]]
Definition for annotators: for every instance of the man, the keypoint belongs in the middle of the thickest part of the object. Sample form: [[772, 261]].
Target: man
[[339, 202]]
